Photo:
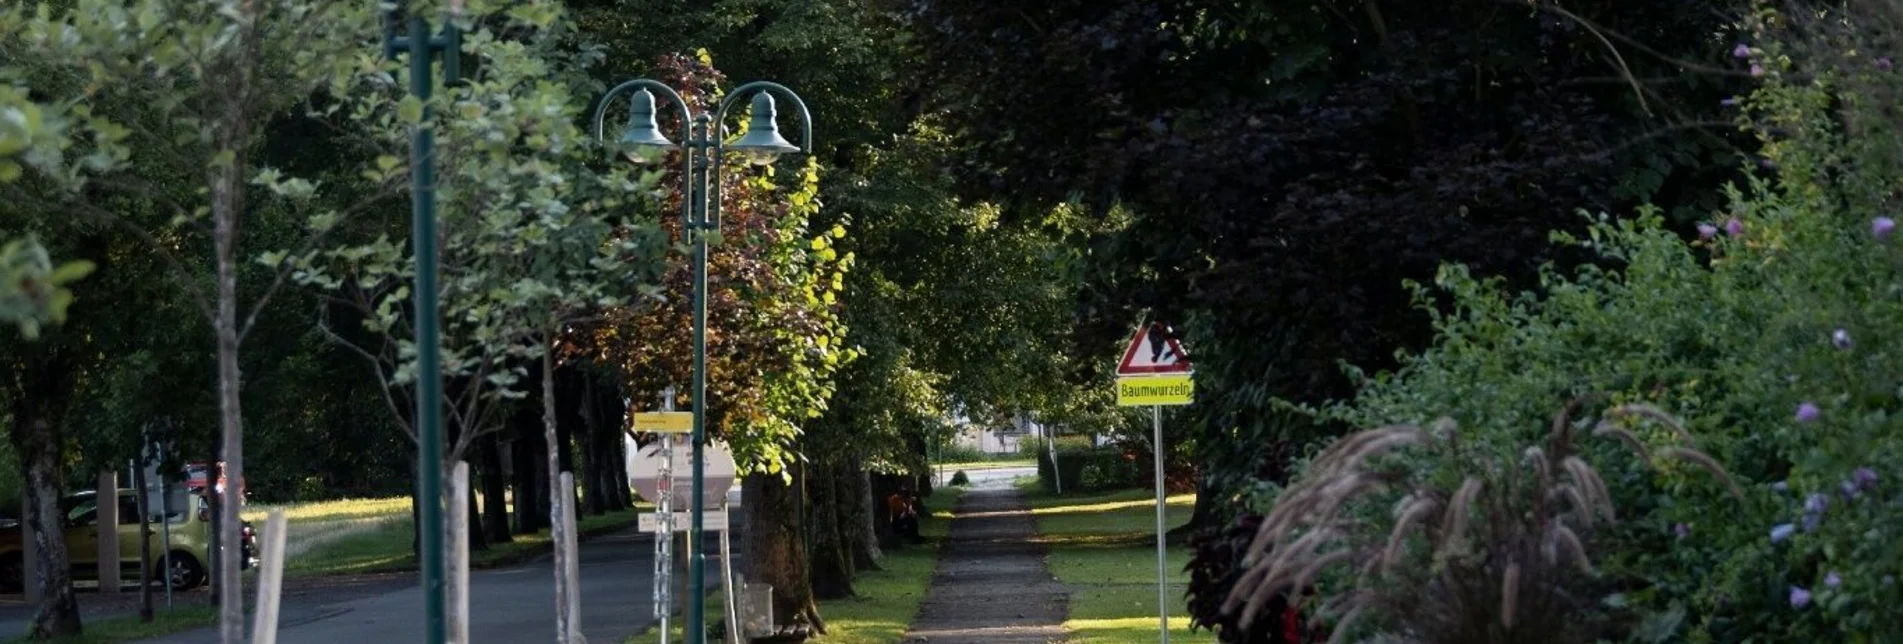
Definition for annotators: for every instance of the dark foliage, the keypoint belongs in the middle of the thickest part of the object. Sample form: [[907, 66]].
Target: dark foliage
[[1287, 165]]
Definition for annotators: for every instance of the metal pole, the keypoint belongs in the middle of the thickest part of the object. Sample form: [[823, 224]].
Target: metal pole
[[1162, 502], [421, 47], [429, 395], [697, 547], [165, 533], [664, 539]]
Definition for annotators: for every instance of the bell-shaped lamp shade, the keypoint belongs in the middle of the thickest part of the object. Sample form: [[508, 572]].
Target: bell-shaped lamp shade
[[642, 141], [763, 143]]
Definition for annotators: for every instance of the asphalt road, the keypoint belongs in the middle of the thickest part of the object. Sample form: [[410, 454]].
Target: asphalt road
[[506, 605]]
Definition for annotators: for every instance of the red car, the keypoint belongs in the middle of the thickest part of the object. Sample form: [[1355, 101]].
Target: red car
[[197, 473]]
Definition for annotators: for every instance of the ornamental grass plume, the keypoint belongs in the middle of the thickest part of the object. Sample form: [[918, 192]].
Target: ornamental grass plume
[[1499, 554]]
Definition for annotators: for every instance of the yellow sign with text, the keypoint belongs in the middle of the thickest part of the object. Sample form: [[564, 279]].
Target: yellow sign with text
[[1143, 391], [664, 422]]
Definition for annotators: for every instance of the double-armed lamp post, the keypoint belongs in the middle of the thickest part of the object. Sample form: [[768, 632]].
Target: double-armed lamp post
[[702, 153]]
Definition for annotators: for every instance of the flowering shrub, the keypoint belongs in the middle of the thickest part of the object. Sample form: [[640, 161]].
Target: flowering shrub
[[1485, 545], [1775, 332]]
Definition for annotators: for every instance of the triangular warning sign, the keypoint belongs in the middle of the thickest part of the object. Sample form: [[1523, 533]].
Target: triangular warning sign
[[1153, 351]]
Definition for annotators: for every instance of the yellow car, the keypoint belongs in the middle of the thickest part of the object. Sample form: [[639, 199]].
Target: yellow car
[[190, 541]]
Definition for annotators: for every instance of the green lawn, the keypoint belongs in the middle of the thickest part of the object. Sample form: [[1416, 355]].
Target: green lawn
[[130, 629], [888, 599], [1104, 548], [375, 536]]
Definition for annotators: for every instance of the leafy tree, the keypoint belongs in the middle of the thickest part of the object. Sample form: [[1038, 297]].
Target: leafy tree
[[1283, 165], [532, 241], [774, 342], [197, 82]]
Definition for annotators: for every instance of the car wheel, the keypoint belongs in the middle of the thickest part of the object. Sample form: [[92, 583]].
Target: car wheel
[[12, 573], [185, 572]]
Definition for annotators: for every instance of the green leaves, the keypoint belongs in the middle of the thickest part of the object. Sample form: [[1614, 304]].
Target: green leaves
[[32, 290]]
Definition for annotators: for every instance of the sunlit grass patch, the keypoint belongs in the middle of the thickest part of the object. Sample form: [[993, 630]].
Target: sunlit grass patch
[[1104, 548], [339, 510]]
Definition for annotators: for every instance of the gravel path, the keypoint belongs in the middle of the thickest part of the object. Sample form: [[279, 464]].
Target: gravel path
[[992, 585]]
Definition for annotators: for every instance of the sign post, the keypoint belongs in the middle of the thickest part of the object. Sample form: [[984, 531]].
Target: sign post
[[651, 472], [1155, 372], [666, 422]]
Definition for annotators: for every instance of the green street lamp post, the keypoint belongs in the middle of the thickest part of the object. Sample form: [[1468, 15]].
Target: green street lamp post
[[422, 47], [702, 150]]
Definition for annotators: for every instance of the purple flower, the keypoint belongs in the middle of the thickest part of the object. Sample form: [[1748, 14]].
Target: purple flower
[[1832, 580], [1799, 597], [1781, 486], [1682, 530], [1848, 489], [1840, 338], [1883, 63], [1741, 51], [1816, 503], [1707, 231], [1881, 227], [1866, 478], [1889, 580], [1734, 227], [1729, 102], [1808, 413], [1812, 521], [1756, 70], [1782, 531]]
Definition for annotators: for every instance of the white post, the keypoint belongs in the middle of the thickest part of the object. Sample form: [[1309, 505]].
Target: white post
[[568, 545], [726, 576], [264, 624], [1162, 503], [459, 553], [107, 515], [1050, 444]]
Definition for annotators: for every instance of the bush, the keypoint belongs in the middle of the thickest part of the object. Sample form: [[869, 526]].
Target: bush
[[1776, 334], [960, 479], [1034, 446], [1090, 469], [963, 454]]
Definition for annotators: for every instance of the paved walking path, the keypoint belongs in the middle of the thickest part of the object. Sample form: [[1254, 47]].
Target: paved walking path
[[992, 585]]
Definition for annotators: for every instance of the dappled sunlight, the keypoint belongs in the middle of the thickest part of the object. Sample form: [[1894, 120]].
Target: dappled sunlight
[[1091, 506], [1124, 630]]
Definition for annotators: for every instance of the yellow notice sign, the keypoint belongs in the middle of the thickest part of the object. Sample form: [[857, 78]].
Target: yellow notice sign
[[665, 422], [1143, 391]]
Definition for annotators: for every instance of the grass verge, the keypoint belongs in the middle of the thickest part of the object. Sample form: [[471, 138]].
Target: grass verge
[[129, 629], [888, 599], [385, 547], [1103, 547]]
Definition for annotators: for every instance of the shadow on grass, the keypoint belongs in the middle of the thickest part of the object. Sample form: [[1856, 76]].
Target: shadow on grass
[[130, 629]]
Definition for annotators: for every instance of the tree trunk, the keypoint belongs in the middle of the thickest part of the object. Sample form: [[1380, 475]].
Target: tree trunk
[[624, 489], [558, 531], [831, 561], [495, 490], [856, 522], [478, 538], [231, 138], [529, 494], [774, 551], [592, 459], [884, 486], [41, 396]]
